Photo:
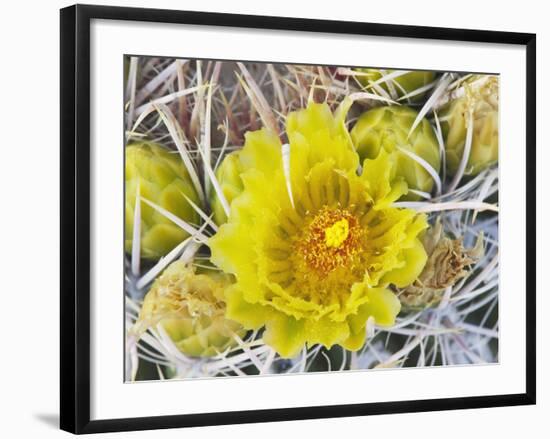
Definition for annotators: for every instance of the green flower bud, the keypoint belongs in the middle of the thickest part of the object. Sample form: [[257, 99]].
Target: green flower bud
[[191, 309], [163, 180], [387, 128], [403, 84], [481, 97], [229, 178]]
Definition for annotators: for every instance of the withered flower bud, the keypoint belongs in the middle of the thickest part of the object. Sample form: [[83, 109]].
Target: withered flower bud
[[448, 262]]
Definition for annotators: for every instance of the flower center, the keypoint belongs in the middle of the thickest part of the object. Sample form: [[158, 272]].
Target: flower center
[[331, 240], [336, 234]]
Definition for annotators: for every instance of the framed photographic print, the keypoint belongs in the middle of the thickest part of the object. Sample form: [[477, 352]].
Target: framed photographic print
[[269, 218]]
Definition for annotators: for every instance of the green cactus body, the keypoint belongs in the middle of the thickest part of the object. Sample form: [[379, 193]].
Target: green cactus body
[[387, 128], [481, 97], [229, 178], [163, 180], [402, 84], [191, 309]]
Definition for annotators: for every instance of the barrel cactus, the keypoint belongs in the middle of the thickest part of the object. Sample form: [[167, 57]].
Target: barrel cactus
[[480, 97], [228, 175], [163, 180], [387, 128], [401, 84], [190, 307]]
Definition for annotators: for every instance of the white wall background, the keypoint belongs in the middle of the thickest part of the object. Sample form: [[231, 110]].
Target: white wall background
[[29, 236]]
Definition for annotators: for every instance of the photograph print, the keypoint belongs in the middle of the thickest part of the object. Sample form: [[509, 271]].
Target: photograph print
[[292, 219]]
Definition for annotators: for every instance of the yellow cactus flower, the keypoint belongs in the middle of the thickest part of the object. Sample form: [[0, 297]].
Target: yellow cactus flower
[[481, 99], [400, 85], [191, 309], [162, 179], [387, 128], [313, 244]]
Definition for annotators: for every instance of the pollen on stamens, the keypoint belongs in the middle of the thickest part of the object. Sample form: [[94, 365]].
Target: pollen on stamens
[[330, 240], [336, 234]]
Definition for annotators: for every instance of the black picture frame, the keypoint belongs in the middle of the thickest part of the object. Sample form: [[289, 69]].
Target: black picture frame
[[75, 217]]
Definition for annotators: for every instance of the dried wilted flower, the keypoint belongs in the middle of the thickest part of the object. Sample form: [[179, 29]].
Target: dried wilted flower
[[447, 263], [191, 309]]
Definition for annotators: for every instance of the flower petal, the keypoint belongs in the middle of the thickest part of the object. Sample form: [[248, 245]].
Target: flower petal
[[383, 305], [414, 259], [251, 316], [285, 334]]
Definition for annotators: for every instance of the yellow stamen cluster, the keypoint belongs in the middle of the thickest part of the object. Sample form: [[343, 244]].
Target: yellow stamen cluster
[[336, 234], [330, 240]]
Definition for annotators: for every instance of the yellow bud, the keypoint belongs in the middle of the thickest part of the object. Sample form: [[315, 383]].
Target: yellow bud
[[400, 85], [160, 177], [480, 99], [387, 128], [228, 175]]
